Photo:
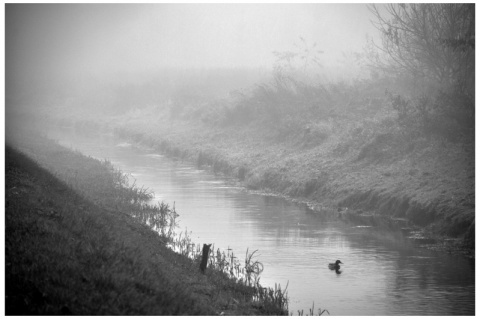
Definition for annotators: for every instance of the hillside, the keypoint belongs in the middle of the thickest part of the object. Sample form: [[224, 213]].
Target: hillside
[[77, 244]]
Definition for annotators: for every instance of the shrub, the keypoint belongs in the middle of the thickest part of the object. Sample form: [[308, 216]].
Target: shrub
[[447, 115]]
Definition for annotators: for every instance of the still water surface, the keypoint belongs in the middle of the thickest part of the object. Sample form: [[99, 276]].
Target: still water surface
[[382, 274]]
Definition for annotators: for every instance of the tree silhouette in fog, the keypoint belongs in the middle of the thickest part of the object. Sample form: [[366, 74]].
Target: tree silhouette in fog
[[432, 42]]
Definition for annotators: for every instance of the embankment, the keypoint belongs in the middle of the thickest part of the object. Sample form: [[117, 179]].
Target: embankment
[[368, 170], [384, 177], [75, 245]]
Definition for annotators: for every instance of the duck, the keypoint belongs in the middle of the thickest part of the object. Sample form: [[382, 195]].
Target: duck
[[335, 266]]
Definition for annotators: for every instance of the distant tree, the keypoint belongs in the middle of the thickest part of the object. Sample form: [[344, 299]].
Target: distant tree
[[430, 42]]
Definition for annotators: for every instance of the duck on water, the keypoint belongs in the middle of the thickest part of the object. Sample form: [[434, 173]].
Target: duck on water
[[335, 266]]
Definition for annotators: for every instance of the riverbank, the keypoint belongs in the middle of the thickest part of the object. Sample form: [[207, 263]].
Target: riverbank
[[363, 167], [77, 244], [424, 182]]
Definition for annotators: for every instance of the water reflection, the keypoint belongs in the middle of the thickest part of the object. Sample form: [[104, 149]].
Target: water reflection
[[383, 273]]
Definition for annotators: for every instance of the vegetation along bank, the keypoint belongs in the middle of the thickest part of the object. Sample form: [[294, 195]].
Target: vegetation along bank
[[358, 161], [77, 243], [344, 149], [391, 143], [364, 168]]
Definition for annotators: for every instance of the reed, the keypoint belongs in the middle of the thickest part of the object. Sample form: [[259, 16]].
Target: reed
[[311, 311], [246, 274], [161, 218]]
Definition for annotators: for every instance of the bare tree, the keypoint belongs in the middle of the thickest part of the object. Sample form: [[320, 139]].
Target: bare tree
[[430, 42]]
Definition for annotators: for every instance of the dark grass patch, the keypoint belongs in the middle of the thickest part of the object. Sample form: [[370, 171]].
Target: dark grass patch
[[67, 256], [87, 254]]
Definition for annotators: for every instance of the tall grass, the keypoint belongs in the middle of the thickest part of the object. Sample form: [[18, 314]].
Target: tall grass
[[246, 273], [289, 101], [311, 311], [160, 218]]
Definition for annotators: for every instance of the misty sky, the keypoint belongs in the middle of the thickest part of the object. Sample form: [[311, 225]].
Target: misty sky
[[94, 38]]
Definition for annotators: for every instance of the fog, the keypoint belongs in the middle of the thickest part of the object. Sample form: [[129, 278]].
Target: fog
[[215, 109], [94, 38], [48, 42]]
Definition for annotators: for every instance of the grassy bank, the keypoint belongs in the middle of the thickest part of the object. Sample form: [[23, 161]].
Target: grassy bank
[[431, 186], [353, 150], [343, 150], [77, 244]]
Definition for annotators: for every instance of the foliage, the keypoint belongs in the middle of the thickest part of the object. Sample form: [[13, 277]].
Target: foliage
[[301, 63], [311, 311], [303, 109], [448, 116], [431, 46], [270, 300], [430, 42]]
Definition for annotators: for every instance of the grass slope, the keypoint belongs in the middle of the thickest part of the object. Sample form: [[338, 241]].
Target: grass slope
[[370, 166], [72, 247]]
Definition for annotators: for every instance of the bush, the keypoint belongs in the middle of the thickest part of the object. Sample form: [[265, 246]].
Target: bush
[[448, 115]]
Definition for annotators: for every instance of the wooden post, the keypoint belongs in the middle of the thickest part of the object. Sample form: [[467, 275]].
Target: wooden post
[[205, 253]]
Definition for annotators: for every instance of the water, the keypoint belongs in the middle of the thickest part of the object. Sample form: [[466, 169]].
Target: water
[[382, 273]]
